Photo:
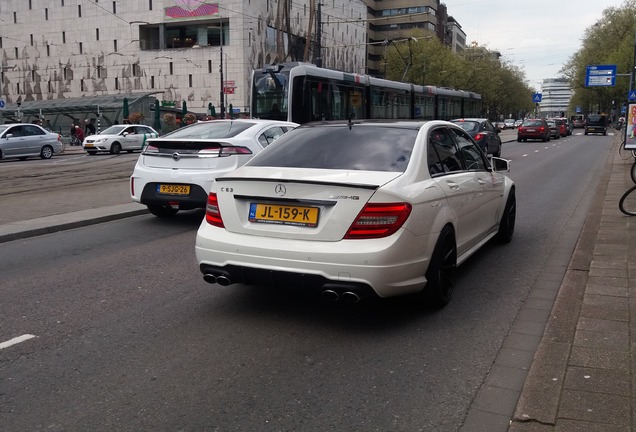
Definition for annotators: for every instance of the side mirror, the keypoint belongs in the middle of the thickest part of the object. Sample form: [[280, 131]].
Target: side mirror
[[499, 164]]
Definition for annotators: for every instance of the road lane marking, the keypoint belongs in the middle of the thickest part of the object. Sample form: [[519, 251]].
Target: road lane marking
[[16, 340]]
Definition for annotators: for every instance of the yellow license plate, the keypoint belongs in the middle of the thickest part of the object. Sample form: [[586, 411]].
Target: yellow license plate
[[284, 214], [88, 145], [173, 189]]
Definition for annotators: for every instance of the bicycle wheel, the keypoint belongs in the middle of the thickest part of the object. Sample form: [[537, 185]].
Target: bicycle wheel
[[627, 203], [632, 172], [623, 153]]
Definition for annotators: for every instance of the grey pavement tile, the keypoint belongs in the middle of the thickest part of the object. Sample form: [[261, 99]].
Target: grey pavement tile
[[522, 342], [481, 421], [601, 340], [601, 312], [536, 315], [542, 291], [604, 301], [608, 272], [608, 280], [602, 325], [607, 290], [506, 377], [496, 400], [595, 407], [567, 425], [598, 380], [515, 358], [542, 304], [610, 249], [607, 263], [599, 358], [523, 426], [528, 327]]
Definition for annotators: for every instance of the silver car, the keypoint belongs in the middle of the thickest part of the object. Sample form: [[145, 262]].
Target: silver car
[[22, 140]]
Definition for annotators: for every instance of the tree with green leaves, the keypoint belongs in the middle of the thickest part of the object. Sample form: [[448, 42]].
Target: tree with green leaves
[[610, 41]]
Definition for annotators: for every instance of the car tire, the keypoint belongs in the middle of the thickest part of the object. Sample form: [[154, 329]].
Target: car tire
[[46, 152], [440, 274], [161, 210], [508, 218], [115, 148], [518, 139]]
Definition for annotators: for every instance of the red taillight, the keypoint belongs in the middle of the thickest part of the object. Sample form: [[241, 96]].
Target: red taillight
[[479, 136], [542, 128], [379, 220], [212, 212], [225, 151]]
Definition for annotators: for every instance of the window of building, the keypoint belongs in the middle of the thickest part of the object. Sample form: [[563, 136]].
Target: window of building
[[171, 70], [16, 52], [96, 34], [197, 34], [0, 42], [99, 71], [114, 7], [17, 86], [116, 83], [15, 17], [79, 10], [82, 85], [62, 2], [209, 66], [63, 37], [149, 4], [31, 39], [32, 74], [48, 51], [152, 82], [30, 5], [50, 87], [189, 80], [115, 45], [46, 14], [81, 48]]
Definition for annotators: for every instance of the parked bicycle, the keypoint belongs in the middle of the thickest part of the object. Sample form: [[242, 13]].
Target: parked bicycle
[[627, 203]]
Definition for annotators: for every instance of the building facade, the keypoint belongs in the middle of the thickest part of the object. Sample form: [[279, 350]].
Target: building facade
[[197, 51], [555, 97]]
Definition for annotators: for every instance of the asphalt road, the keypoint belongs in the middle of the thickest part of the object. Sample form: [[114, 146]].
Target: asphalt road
[[128, 337]]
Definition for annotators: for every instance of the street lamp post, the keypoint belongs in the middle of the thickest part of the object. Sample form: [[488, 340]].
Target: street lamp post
[[222, 94]]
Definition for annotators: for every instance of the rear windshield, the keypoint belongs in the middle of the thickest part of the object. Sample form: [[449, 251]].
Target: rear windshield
[[210, 130], [596, 119], [532, 123], [468, 126], [363, 147]]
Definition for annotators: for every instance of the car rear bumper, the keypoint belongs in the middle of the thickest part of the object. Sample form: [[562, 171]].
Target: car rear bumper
[[380, 267]]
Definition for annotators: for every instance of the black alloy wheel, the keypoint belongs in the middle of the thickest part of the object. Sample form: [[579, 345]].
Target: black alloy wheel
[[440, 274]]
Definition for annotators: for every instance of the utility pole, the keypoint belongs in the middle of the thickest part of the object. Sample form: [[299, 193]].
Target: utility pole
[[318, 60], [221, 71]]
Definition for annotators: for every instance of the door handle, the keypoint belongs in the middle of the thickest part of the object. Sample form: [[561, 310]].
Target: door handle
[[453, 185]]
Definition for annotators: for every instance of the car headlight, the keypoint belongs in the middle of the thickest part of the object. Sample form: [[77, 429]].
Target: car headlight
[[101, 140]]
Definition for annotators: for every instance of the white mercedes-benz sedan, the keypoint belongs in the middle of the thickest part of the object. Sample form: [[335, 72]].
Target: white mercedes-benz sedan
[[357, 209]]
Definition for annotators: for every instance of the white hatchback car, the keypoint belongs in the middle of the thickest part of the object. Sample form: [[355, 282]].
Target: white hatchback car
[[119, 137], [175, 172], [357, 209]]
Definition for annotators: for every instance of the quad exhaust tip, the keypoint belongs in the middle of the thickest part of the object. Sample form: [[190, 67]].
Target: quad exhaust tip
[[221, 279], [347, 296]]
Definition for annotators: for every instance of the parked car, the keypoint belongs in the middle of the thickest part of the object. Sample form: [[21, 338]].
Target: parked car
[[555, 131], [518, 123], [501, 125], [578, 121], [23, 140], [533, 129], [483, 132], [356, 209], [596, 123], [561, 125], [568, 125], [175, 172], [509, 123], [119, 137]]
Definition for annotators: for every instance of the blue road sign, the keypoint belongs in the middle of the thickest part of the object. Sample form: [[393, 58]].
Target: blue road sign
[[631, 96], [536, 98], [600, 75], [3, 103]]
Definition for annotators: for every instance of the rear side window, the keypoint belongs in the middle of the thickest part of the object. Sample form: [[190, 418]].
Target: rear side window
[[443, 154], [361, 147]]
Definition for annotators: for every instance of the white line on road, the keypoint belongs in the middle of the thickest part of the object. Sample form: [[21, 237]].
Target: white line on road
[[16, 340]]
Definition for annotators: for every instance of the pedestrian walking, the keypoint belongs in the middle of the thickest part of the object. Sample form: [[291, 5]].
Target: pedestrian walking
[[89, 129]]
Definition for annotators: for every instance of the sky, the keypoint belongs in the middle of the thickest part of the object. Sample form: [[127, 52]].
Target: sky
[[538, 36]]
